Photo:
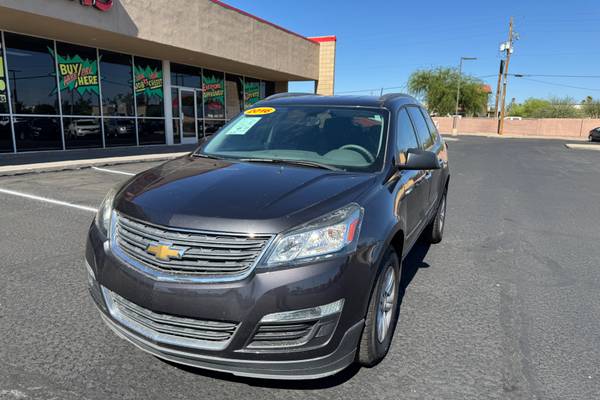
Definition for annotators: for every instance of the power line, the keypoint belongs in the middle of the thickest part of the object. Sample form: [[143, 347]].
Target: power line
[[556, 76], [561, 85]]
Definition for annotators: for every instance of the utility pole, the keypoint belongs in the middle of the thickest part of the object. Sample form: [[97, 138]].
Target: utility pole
[[508, 47], [455, 119], [497, 101]]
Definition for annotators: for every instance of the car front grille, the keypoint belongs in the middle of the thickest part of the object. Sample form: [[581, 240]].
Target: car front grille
[[205, 254], [282, 335], [170, 329]]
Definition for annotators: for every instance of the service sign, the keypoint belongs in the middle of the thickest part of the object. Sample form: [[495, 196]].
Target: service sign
[[78, 74], [251, 93], [148, 81], [3, 94], [213, 89]]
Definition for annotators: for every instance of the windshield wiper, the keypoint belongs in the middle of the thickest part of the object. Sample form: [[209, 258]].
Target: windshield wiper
[[304, 163], [203, 155]]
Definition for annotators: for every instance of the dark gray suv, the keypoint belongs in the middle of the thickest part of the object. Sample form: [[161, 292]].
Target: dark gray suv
[[275, 249]]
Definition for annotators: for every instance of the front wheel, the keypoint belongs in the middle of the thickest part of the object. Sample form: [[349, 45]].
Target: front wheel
[[382, 314]]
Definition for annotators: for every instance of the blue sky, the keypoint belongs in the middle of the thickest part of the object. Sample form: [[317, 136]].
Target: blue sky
[[381, 42]]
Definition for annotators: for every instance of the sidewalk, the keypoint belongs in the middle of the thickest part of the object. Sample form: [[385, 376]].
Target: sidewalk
[[507, 136], [23, 163]]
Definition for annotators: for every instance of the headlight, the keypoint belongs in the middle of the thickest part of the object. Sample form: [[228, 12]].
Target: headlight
[[105, 212], [333, 234]]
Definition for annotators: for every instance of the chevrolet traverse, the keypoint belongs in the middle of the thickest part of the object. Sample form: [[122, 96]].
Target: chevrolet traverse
[[275, 249]]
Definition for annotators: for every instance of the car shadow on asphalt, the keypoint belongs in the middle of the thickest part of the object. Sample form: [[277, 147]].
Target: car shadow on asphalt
[[411, 265]]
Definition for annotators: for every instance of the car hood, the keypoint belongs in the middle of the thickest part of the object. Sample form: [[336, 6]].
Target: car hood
[[219, 195]]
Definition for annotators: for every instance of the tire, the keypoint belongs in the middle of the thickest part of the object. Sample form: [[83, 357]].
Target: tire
[[380, 324], [435, 231]]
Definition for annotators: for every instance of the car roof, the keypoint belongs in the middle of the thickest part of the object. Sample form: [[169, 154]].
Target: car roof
[[390, 100]]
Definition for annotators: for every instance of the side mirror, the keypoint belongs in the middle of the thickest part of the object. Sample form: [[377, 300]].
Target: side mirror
[[416, 159]]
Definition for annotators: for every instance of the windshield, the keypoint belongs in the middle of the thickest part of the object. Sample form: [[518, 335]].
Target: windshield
[[351, 139]]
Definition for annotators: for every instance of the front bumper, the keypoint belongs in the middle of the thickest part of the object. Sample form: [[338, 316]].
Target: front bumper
[[245, 302]]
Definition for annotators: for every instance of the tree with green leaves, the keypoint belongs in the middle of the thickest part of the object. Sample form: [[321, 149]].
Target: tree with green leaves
[[530, 108], [591, 107], [554, 107], [437, 87]]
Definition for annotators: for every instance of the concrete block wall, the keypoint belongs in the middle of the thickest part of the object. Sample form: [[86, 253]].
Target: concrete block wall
[[549, 127]]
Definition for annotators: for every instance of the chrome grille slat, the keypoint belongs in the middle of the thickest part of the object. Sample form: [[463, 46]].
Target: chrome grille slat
[[163, 324], [206, 254], [218, 239]]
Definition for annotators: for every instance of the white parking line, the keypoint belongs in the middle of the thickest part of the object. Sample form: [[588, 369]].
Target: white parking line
[[113, 171], [451, 139], [47, 200]]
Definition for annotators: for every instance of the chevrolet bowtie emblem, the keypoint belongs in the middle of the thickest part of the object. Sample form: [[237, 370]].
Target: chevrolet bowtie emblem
[[165, 252]]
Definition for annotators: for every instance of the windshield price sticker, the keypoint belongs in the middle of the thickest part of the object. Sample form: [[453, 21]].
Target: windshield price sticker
[[259, 111], [242, 126]]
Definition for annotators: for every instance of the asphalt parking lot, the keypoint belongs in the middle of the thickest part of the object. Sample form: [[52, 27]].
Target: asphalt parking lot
[[506, 307]]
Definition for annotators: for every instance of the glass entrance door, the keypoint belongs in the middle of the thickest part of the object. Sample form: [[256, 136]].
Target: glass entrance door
[[187, 117]]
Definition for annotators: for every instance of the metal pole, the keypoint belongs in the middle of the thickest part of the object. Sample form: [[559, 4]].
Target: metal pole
[[455, 119]]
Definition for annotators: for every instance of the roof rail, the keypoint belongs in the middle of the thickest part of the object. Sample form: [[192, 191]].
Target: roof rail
[[288, 94], [390, 96]]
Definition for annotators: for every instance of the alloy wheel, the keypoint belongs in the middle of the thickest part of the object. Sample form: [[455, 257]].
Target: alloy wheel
[[385, 308]]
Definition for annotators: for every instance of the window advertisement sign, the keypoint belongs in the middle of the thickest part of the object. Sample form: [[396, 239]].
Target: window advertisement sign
[[251, 92], [148, 81], [78, 79], [213, 88], [3, 91], [78, 74]]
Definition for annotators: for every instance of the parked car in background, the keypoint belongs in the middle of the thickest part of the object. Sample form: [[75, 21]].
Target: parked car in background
[[594, 135], [513, 118], [83, 127], [275, 249]]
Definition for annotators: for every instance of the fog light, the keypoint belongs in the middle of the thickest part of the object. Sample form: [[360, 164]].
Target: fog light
[[305, 314]]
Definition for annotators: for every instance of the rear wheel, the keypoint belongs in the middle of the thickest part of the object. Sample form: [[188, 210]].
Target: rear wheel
[[435, 231], [382, 314]]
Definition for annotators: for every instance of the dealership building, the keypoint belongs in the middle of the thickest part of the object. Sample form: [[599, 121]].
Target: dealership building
[[106, 73]]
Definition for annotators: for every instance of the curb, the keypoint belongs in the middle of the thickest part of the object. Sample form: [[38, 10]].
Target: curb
[[12, 170], [580, 146]]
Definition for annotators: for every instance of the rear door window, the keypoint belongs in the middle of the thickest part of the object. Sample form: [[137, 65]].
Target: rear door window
[[432, 129], [423, 134], [405, 135]]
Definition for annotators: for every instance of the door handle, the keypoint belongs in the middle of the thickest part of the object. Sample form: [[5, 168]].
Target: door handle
[[427, 175], [442, 162]]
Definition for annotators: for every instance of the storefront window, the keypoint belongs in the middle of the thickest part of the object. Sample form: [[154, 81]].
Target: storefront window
[[149, 87], [6, 145], [251, 92], [37, 133], [3, 89], [151, 131], [32, 75], [269, 88], [117, 86], [213, 88], [78, 79], [119, 132], [82, 133], [211, 127], [183, 75], [234, 89]]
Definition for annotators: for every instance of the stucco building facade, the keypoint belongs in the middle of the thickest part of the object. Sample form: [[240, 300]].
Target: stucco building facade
[[105, 73]]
